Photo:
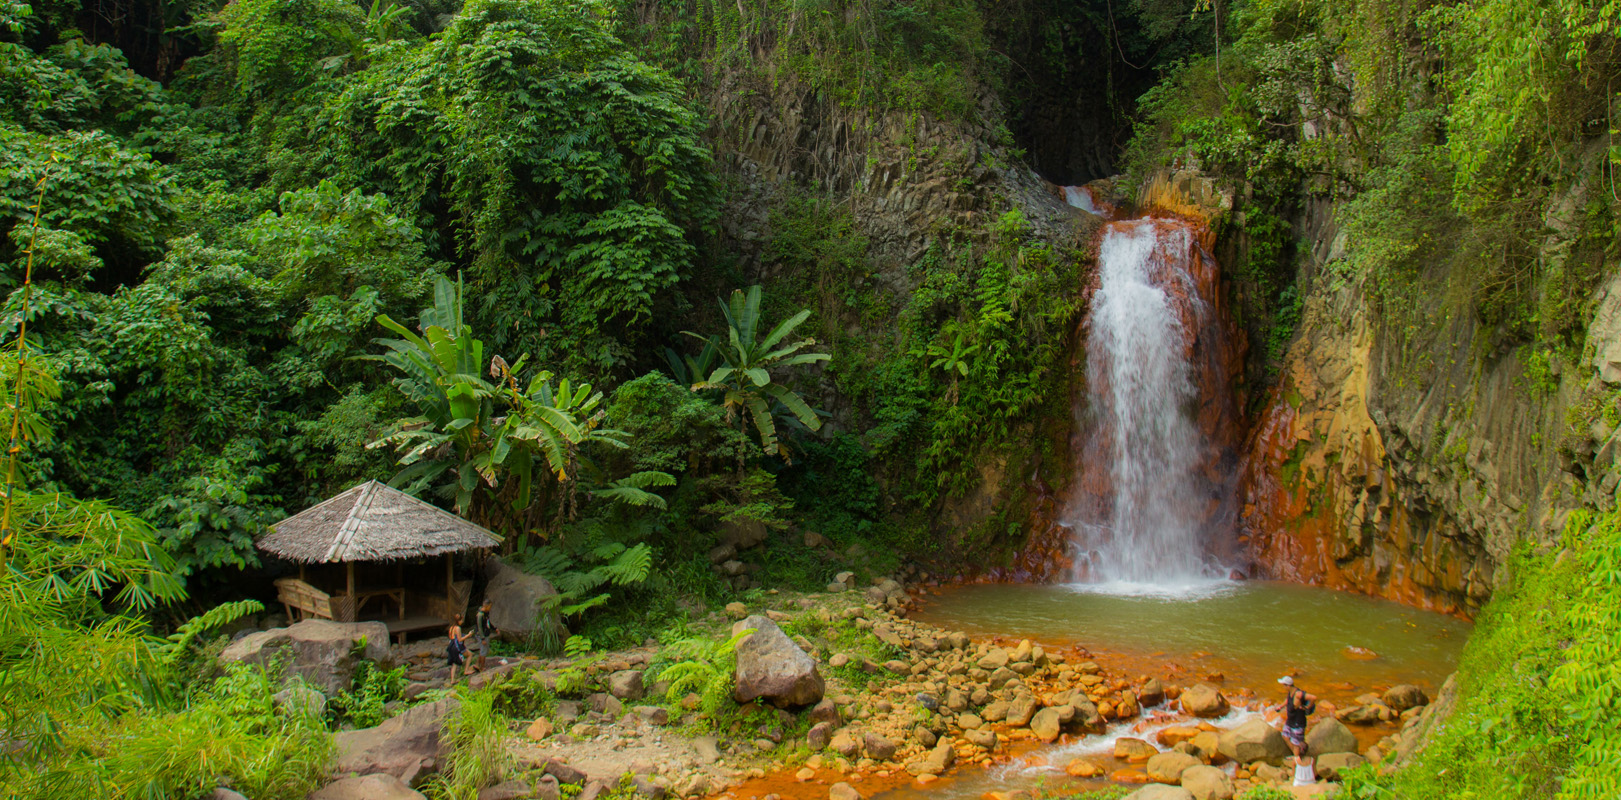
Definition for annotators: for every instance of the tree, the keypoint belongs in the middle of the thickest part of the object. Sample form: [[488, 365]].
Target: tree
[[745, 379]]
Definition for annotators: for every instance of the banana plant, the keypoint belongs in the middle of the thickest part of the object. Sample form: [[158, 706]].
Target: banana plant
[[744, 378], [953, 359]]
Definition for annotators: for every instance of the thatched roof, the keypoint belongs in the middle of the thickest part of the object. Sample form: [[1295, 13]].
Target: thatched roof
[[372, 522]]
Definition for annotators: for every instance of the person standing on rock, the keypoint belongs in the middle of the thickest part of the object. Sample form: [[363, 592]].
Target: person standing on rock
[[457, 648], [1297, 706], [485, 631]]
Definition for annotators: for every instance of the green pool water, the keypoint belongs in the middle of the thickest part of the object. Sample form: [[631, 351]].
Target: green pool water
[[1251, 632]]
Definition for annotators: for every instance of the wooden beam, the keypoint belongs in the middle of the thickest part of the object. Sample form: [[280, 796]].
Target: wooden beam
[[450, 581], [351, 574]]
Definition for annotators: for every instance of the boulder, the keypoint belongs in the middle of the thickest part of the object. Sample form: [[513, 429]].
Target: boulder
[[1370, 714], [1082, 768], [507, 790], [1159, 791], [1208, 783], [845, 744], [1208, 743], [1204, 700], [1133, 750], [878, 748], [1046, 724], [539, 729], [1167, 767], [1087, 715], [1021, 710], [826, 711], [406, 747], [517, 601], [296, 700], [1254, 741], [1152, 693], [653, 715], [565, 772], [1332, 766], [322, 652], [626, 684], [771, 667], [222, 793], [1404, 696], [1330, 736], [843, 791], [819, 736], [367, 787], [939, 759]]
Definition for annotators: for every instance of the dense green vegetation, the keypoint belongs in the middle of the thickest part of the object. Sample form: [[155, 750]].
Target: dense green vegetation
[[1536, 692]]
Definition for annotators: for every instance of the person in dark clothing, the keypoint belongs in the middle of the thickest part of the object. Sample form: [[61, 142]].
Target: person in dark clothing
[[1296, 707], [485, 631], [457, 649]]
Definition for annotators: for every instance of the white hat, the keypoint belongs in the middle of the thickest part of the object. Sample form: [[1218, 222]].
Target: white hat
[[1287, 680]]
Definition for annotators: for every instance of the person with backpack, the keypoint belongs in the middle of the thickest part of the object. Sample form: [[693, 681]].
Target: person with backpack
[[485, 630], [456, 651], [1296, 707]]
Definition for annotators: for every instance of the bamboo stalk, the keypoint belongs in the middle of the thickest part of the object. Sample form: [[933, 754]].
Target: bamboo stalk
[[14, 448]]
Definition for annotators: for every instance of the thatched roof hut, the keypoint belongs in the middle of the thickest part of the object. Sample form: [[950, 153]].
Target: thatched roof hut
[[372, 522]]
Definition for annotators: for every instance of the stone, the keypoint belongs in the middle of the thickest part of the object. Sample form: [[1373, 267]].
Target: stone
[[997, 711], [507, 790], [1208, 783], [843, 791], [1087, 714], [969, 722], [1208, 743], [1332, 766], [1046, 725], [222, 793], [826, 711], [819, 736], [406, 746], [367, 787], [1170, 737], [878, 747], [1021, 710], [845, 744], [1268, 773], [1167, 767], [722, 554], [924, 736], [1133, 750], [1022, 653], [604, 703], [1151, 693], [1204, 700], [626, 684], [1370, 714], [707, 749], [1159, 791], [939, 759], [771, 667], [846, 578], [565, 772], [648, 788], [1404, 696], [300, 700], [996, 658], [653, 715], [518, 602], [539, 729], [981, 738], [547, 788], [1254, 741], [1329, 736], [322, 652], [1082, 768], [737, 610]]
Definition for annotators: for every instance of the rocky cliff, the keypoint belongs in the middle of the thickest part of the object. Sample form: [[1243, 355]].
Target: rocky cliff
[[1405, 452]]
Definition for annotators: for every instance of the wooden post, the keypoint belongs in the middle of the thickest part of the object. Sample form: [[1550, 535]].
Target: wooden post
[[450, 588], [351, 572], [301, 573], [399, 582]]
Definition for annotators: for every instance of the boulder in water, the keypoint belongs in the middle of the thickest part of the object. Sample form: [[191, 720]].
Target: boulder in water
[[1204, 700], [1133, 750], [1254, 741], [1404, 696], [1046, 724], [1152, 693]]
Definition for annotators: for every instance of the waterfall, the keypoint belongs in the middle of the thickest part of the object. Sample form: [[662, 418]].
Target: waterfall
[[1148, 474]]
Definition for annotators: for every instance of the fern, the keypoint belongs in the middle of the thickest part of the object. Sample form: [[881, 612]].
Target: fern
[[170, 650]]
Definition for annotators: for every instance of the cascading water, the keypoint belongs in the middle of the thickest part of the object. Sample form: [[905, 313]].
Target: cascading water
[[1153, 489]]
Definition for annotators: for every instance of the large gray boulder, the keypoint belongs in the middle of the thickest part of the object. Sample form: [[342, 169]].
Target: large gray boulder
[[407, 746], [1254, 741], [1330, 736], [322, 652], [771, 667], [1204, 700], [517, 601], [367, 787], [1208, 783]]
